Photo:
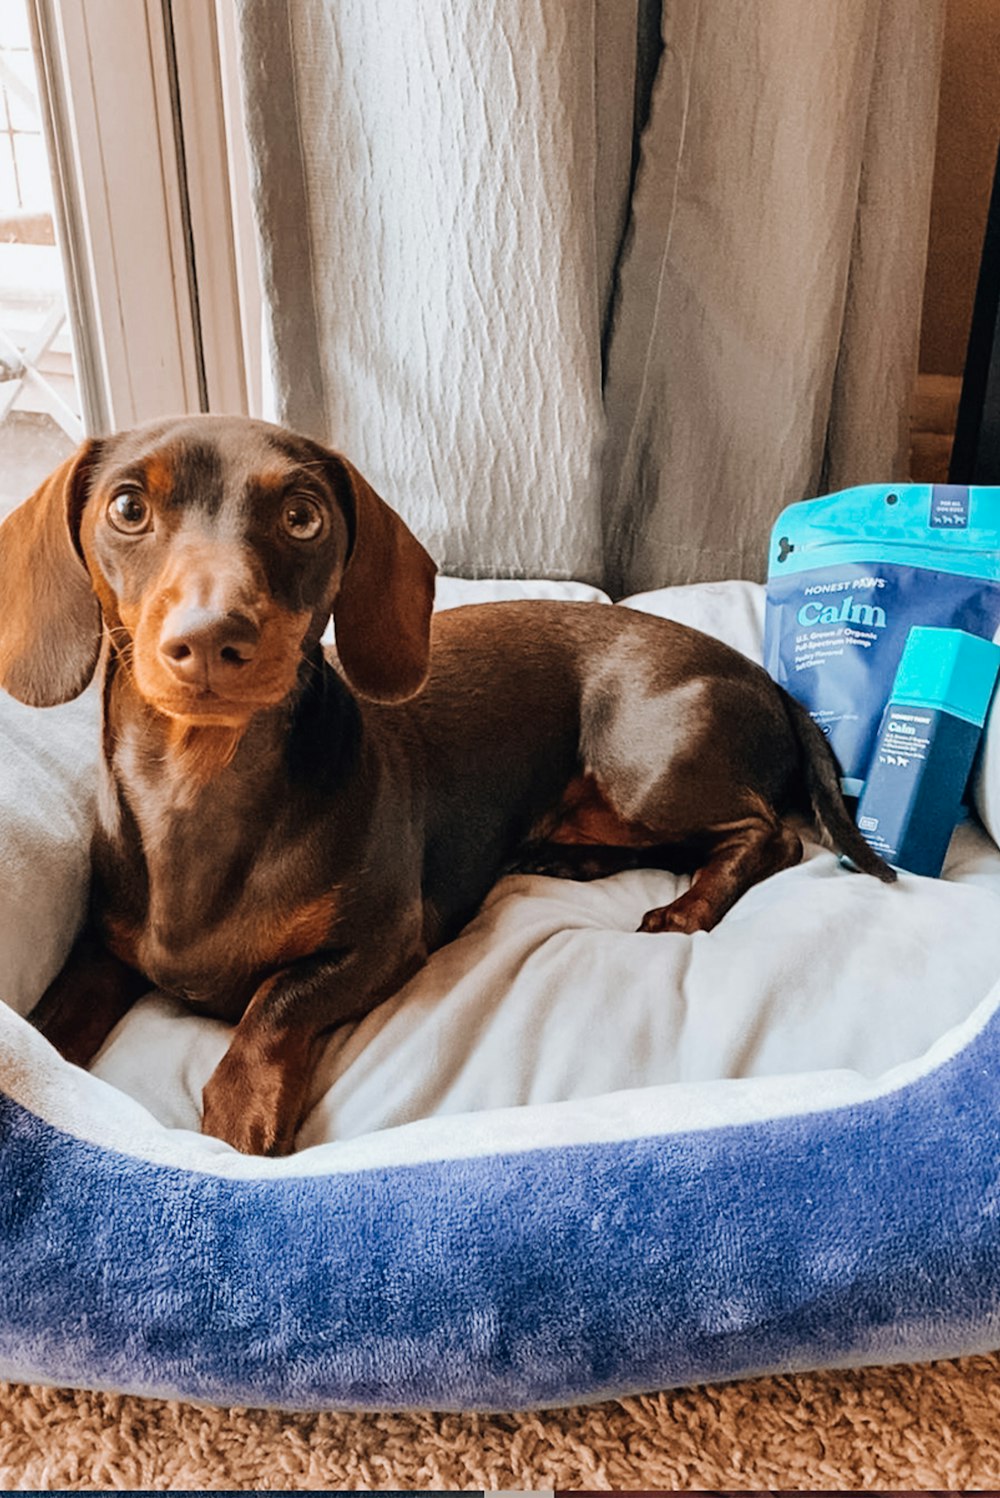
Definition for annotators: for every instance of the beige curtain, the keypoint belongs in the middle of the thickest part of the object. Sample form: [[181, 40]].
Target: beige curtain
[[765, 338], [585, 304]]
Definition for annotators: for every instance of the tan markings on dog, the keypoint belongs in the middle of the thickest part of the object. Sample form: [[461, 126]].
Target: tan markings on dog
[[159, 473], [585, 815], [267, 680], [276, 939], [298, 933], [130, 615], [271, 478], [202, 751], [123, 938]]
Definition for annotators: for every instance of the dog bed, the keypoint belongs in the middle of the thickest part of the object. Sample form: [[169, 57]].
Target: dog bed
[[567, 1161]]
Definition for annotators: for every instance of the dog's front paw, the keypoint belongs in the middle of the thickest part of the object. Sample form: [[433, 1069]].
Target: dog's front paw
[[249, 1117]]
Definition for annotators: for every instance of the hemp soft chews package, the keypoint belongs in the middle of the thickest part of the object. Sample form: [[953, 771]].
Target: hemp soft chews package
[[849, 575]]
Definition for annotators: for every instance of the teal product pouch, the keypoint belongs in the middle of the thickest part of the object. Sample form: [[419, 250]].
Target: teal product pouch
[[851, 573]]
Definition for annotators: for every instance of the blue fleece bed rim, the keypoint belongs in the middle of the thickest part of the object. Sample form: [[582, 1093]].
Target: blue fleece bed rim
[[861, 1234]]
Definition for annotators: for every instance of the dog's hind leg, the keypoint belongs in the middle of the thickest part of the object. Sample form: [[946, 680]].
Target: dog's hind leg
[[737, 856]]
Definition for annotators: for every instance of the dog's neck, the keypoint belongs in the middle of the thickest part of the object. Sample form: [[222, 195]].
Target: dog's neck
[[194, 755], [178, 765]]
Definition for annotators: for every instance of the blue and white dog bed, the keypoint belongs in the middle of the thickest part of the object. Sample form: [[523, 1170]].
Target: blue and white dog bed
[[568, 1161]]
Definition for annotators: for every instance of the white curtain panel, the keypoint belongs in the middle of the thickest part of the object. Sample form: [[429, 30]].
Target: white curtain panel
[[441, 190], [554, 364]]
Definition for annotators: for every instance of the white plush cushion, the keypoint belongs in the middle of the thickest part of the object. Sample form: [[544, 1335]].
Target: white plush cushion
[[451, 592], [48, 761], [732, 611]]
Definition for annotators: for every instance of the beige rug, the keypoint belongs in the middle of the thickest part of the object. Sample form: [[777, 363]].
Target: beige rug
[[932, 1426]]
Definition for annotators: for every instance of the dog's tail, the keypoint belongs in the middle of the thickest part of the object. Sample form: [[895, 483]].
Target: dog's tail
[[822, 779]]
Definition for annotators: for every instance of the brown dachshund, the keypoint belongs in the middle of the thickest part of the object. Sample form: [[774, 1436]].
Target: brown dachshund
[[284, 835]]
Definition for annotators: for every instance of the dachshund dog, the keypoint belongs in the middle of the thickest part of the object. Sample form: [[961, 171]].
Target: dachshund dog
[[284, 833]]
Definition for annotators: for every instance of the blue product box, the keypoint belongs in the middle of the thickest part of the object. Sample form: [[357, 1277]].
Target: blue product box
[[925, 746]]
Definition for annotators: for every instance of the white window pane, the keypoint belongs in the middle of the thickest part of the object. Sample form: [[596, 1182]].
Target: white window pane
[[14, 25], [32, 172], [39, 399], [21, 104], [8, 181]]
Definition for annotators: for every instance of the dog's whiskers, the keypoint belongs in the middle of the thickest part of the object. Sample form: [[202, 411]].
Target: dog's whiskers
[[124, 649]]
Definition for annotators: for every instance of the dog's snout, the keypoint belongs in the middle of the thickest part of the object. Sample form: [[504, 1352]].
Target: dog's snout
[[206, 648]]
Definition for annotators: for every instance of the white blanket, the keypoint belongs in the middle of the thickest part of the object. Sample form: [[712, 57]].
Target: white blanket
[[549, 994]]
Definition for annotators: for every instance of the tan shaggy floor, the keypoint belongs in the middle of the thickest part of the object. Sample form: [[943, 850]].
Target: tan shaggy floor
[[930, 1426]]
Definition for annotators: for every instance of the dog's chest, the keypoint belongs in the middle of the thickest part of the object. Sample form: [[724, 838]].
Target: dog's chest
[[192, 897], [217, 965], [216, 962]]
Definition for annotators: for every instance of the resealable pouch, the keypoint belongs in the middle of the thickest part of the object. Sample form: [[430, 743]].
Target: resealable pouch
[[851, 573]]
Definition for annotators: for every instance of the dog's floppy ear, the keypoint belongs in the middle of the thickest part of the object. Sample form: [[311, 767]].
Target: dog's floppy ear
[[50, 624], [383, 609]]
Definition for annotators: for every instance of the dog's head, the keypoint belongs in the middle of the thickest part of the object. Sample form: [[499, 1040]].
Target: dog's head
[[216, 549]]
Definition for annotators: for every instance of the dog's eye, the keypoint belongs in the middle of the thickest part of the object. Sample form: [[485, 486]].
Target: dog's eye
[[302, 518], [129, 512]]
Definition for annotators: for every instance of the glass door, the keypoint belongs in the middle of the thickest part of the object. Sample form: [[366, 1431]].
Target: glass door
[[41, 414], [127, 273]]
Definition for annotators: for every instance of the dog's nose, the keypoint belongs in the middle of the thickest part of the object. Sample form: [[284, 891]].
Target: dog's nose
[[203, 647]]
